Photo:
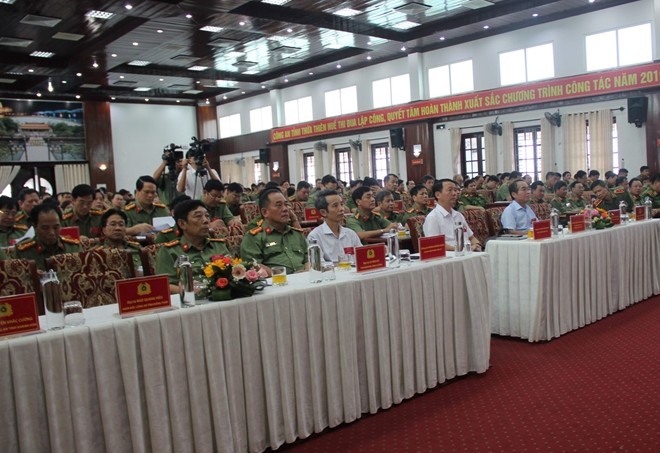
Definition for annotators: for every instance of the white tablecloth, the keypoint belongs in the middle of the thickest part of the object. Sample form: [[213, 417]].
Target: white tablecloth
[[549, 287], [250, 373]]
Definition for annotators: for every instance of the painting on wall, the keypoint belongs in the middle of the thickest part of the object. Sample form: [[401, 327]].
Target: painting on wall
[[41, 131]]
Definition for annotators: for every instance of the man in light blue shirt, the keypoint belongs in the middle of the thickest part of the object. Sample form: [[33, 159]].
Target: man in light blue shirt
[[518, 216]]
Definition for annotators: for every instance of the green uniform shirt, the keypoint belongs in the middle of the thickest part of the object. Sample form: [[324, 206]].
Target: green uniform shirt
[[311, 201], [359, 222], [137, 214], [33, 249], [350, 204], [168, 254], [560, 205], [3, 255], [221, 212], [653, 195], [89, 226], [167, 235], [133, 249], [475, 200], [13, 233], [395, 217], [266, 245], [503, 193], [576, 203], [608, 205], [22, 218], [414, 212]]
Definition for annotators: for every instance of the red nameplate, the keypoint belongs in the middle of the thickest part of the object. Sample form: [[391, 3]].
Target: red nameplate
[[577, 223], [349, 250], [18, 314], [70, 232], [615, 215], [370, 257], [143, 294], [542, 229], [398, 205], [432, 247], [431, 202], [640, 213], [312, 215]]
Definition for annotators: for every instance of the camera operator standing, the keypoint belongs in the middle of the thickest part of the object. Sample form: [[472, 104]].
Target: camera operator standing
[[196, 171], [172, 160]]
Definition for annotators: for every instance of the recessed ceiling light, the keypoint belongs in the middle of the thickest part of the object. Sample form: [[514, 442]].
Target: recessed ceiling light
[[311, 73], [99, 14], [338, 66], [64, 81], [347, 12], [142, 89], [591, 1], [234, 54], [159, 31], [113, 55], [242, 92], [160, 80], [42, 54], [113, 98], [406, 25], [442, 38], [224, 97], [535, 15], [79, 74], [139, 63], [77, 96], [188, 16], [211, 29], [8, 2], [66, 36], [403, 48], [286, 80], [198, 68], [486, 27], [136, 43], [368, 57], [121, 76], [241, 23], [263, 86], [289, 30], [30, 70], [369, 43], [275, 2], [177, 101], [129, 7], [207, 102], [38, 95]]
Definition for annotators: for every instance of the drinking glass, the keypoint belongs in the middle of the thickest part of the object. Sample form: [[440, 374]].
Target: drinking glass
[[344, 262], [279, 275], [405, 257], [73, 313], [328, 270]]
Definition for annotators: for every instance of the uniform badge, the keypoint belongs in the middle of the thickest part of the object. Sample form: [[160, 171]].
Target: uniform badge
[[270, 244]]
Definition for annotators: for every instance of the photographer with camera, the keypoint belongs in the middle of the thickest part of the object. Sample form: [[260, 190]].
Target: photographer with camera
[[172, 160], [196, 170]]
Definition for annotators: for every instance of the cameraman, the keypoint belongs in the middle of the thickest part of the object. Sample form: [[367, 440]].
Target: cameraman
[[192, 179], [167, 186]]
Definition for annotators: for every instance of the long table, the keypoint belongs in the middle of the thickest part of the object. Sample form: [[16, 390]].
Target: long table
[[246, 374], [546, 288]]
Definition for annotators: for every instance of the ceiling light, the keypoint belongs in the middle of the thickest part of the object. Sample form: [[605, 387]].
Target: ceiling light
[[139, 63], [198, 82], [591, 1], [113, 98], [234, 54], [142, 89], [275, 2], [15, 42], [442, 38], [289, 30], [263, 86], [403, 48], [178, 101], [159, 31], [286, 80], [121, 76], [42, 54], [64, 82], [66, 36], [188, 16], [369, 43], [338, 66], [99, 14], [128, 6], [198, 68], [241, 23], [242, 92], [406, 25], [160, 80], [95, 64], [50, 86], [38, 95], [136, 44], [224, 97], [3, 80], [311, 73], [486, 27], [347, 12], [146, 99], [113, 55], [207, 102], [30, 70], [8, 2], [77, 96], [368, 57], [535, 15], [79, 74], [211, 29]]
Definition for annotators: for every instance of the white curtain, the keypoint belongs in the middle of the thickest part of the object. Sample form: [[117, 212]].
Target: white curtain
[[300, 164], [7, 175], [355, 162], [490, 147], [394, 160], [318, 164], [574, 128], [231, 170], [600, 139], [248, 162], [548, 146], [366, 158], [69, 176], [507, 146], [455, 139]]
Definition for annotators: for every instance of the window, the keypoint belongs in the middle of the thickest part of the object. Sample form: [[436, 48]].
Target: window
[[380, 160], [261, 119], [341, 102], [527, 151], [230, 125], [451, 79], [625, 46], [309, 170], [615, 148], [344, 164], [298, 111], [392, 91], [526, 65], [473, 154], [257, 172]]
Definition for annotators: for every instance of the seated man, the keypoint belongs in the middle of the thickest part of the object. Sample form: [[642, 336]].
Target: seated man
[[172, 233], [213, 200], [9, 232], [365, 223], [653, 193], [193, 220], [350, 204], [81, 214], [333, 238], [503, 190], [233, 195], [538, 193], [560, 201], [604, 197], [469, 198], [551, 179], [443, 218], [328, 182], [518, 216], [420, 198], [302, 192], [275, 243], [144, 209], [27, 199], [575, 198], [47, 221], [385, 207], [635, 189], [113, 224], [391, 184]]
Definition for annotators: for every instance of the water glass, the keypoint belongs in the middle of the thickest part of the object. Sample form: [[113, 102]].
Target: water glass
[[344, 262], [328, 271], [73, 313], [279, 275], [405, 257]]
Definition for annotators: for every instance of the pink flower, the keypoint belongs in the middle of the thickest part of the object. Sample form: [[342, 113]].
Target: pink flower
[[221, 282], [238, 272], [252, 275]]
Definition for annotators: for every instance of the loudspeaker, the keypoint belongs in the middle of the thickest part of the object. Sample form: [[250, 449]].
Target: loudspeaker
[[637, 110], [396, 137], [264, 155]]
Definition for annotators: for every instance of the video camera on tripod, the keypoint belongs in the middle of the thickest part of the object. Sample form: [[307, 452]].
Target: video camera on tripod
[[198, 149], [171, 156]]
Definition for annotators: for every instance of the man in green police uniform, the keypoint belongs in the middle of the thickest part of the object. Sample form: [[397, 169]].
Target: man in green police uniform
[[275, 243], [575, 198], [172, 233], [391, 184], [560, 201], [113, 223], [653, 192], [81, 214], [469, 198], [364, 222], [212, 197], [385, 207], [9, 231], [420, 198], [143, 210], [27, 199], [328, 182], [604, 198], [47, 221], [193, 220], [635, 189]]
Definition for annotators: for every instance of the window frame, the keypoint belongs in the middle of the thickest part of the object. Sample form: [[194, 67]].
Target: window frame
[[339, 152], [536, 144], [376, 147], [481, 153]]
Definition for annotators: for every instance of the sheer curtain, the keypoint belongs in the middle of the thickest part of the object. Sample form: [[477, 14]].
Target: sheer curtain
[[7, 175], [455, 140], [394, 160], [355, 162], [507, 146], [490, 148], [600, 140], [318, 164], [548, 146], [69, 176], [248, 162], [574, 127], [231, 170]]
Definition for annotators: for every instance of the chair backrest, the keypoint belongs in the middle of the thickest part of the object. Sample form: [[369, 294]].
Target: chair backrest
[[488, 194], [248, 212], [416, 225], [237, 229], [542, 210], [494, 216], [19, 276], [233, 243], [298, 208], [476, 219], [148, 257], [90, 276]]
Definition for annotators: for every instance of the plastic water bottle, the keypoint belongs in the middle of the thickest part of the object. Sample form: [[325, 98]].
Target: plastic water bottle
[[459, 236], [186, 282], [648, 212], [53, 300], [393, 248], [587, 215], [315, 263], [623, 211], [554, 221]]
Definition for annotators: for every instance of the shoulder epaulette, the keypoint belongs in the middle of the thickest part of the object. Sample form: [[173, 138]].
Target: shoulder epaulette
[[19, 217], [357, 215], [172, 243], [255, 231], [67, 215], [618, 190], [167, 230], [70, 241], [134, 244], [25, 245], [160, 205], [21, 227], [299, 230], [96, 212], [260, 222], [129, 206], [216, 240], [411, 210], [292, 198], [376, 214]]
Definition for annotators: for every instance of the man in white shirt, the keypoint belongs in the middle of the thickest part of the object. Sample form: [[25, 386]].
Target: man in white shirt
[[517, 218], [444, 217], [190, 181], [333, 238]]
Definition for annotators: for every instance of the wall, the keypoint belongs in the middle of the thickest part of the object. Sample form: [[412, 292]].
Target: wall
[[139, 134]]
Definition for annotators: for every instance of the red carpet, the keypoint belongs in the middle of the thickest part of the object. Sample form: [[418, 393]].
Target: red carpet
[[593, 390]]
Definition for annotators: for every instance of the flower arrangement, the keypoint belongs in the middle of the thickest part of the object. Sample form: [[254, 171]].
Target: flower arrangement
[[230, 278], [600, 219]]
